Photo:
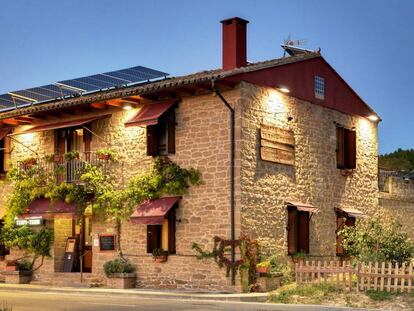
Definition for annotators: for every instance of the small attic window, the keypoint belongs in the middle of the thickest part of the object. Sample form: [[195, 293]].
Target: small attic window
[[319, 87]]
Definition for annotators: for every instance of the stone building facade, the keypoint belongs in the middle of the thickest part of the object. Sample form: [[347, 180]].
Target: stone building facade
[[262, 188]]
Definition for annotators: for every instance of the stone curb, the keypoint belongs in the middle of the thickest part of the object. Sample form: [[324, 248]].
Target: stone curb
[[251, 297]]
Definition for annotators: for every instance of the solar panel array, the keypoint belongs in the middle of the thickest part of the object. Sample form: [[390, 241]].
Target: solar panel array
[[78, 86]]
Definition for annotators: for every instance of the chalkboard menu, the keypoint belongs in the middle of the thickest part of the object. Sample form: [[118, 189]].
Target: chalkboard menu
[[107, 242]]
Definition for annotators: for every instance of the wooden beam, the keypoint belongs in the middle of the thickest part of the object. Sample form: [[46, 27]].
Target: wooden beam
[[11, 121], [25, 119], [100, 106], [132, 100], [115, 102]]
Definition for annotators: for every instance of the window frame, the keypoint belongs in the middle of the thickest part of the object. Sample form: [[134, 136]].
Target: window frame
[[346, 149], [171, 229], [5, 146], [166, 127], [298, 228], [319, 87], [342, 219]]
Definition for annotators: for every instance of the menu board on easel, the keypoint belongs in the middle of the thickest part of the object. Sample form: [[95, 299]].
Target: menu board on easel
[[70, 254]]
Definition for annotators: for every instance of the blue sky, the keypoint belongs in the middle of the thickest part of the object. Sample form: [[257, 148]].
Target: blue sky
[[370, 43]]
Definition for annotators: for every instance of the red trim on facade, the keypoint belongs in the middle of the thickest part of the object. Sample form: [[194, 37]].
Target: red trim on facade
[[299, 78]]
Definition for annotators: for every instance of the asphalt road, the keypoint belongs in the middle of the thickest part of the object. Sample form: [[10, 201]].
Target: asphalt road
[[33, 301]]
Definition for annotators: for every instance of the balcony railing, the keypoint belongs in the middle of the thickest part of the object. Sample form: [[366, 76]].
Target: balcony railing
[[63, 169]]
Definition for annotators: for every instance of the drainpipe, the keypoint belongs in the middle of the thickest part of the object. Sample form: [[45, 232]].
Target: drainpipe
[[232, 154]]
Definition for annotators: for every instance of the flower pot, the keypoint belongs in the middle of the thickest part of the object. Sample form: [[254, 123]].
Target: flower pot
[[262, 269], [104, 157], [57, 158], [269, 282], [160, 258], [121, 280], [17, 277]]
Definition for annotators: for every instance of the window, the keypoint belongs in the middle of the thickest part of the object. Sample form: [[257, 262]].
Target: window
[[73, 139], [161, 136], [298, 231], [4, 155], [341, 221], [319, 87], [162, 236], [346, 148]]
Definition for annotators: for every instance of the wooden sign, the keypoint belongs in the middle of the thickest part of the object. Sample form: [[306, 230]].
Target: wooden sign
[[107, 242], [277, 145], [71, 254]]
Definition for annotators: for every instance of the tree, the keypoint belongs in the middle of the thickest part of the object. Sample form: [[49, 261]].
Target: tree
[[379, 238]]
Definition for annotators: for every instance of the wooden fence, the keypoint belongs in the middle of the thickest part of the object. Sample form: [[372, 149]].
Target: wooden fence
[[345, 275]]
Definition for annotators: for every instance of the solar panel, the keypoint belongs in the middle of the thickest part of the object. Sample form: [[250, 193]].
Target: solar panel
[[78, 86]]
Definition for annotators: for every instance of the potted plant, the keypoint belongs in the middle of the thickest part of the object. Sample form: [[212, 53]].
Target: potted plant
[[22, 273], [263, 267], [71, 155], [106, 154], [120, 273], [298, 257], [53, 158], [160, 255]]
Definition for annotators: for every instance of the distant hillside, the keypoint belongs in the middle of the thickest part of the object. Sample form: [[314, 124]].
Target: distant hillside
[[399, 160]]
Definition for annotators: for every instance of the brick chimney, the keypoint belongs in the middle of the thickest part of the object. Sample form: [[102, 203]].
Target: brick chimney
[[234, 43]]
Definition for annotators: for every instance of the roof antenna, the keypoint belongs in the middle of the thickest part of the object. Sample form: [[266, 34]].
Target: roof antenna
[[293, 47]]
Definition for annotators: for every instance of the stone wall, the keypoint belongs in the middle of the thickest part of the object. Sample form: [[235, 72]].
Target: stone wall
[[266, 186], [399, 200], [202, 142]]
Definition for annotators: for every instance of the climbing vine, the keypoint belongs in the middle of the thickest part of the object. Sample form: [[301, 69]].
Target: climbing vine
[[248, 250]]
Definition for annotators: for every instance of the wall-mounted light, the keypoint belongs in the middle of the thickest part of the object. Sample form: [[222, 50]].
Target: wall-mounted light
[[373, 118], [283, 89], [127, 106]]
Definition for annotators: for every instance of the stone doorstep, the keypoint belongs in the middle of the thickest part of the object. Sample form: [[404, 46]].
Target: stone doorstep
[[160, 294]]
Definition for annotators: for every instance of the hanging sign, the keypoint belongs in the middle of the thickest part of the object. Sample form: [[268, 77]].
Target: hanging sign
[[277, 145], [36, 221]]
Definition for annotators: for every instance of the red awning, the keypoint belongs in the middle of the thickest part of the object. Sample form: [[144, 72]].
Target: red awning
[[4, 132], [47, 209], [153, 212], [351, 212], [303, 207], [149, 114], [63, 124]]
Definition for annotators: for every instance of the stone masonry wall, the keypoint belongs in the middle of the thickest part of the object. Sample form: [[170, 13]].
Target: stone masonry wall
[[399, 200], [202, 142], [266, 186]]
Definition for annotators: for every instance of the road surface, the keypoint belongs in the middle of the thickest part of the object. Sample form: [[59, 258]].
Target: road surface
[[21, 300]]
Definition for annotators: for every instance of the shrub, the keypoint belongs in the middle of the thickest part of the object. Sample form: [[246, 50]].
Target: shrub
[[24, 265], [379, 238], [118, 265]]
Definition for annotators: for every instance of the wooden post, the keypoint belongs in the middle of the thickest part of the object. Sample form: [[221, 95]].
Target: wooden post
[[350, 276], [389, 277], [382, 276], [410, 276], [319, 272], [369, 276], [325, 264], [402, 277], [396, 277], [306, 277], [376, 276], [297, 272]]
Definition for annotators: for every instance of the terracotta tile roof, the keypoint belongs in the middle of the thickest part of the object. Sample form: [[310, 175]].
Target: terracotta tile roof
[[169, 83]]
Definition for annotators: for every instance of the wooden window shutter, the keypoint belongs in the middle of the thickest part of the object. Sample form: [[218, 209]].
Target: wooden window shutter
[[153, 237], [152, 141], [171, 232], [60, 142], [303, 232], [339, 237], [340, 147], [7, 153], [350, 154], [292, 229], [87, 142], [171, 131], [350, 221]]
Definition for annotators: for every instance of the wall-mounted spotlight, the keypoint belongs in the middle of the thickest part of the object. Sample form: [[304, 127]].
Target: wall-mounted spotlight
[[373, 118], [283, 89], [127, 106]]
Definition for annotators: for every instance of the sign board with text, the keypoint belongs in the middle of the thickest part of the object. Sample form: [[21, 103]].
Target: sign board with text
[[277, 145]]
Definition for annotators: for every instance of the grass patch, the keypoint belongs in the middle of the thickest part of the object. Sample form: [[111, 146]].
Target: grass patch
[[379, 295], [5, 307], [290, 293]]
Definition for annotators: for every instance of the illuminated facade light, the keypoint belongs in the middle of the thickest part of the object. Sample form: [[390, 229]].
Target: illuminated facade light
[[127, 107], [283, 89], [373, 118]]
